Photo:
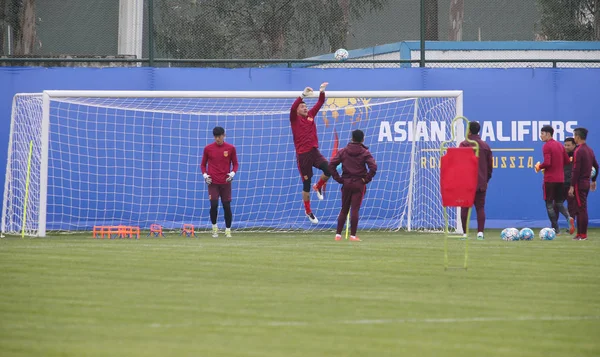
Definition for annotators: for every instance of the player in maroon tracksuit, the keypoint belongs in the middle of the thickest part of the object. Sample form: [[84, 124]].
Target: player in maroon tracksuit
[[355, 158], [583, 161], [220, 157], [304, 130], [555, 159], [570, 147], [483, 177]]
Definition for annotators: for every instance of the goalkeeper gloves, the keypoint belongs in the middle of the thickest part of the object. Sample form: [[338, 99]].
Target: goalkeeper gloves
[[207, 178], [230, 176], [307, 91], [537, 167], [323, 86]]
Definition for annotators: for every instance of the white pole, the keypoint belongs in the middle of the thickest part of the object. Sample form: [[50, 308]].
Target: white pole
[[44, 164], [412, 167], [131, 26]]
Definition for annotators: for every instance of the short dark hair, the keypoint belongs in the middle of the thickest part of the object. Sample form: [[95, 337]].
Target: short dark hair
[[547, 129], [474, 127], [218, 131], [581, 132], [570, 139], [358, 136]]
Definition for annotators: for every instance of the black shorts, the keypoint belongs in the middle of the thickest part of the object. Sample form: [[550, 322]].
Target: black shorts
[[553, 191], [308, 160]]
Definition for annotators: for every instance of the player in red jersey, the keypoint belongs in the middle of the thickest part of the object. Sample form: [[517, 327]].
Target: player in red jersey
[[355, 158], [220, 157], [555, 159], [484, 175], [306, 143], [583, 161]]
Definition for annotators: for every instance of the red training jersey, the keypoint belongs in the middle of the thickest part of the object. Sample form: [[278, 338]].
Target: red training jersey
[[485, 167], [555, 158], [304, 129], [220, 159], [583, 161]]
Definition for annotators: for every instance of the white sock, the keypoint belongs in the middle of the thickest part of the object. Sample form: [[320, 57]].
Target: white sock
[[215, 226]]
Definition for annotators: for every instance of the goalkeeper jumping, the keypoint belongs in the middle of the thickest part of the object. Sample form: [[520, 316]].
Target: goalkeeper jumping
[[306, 143]]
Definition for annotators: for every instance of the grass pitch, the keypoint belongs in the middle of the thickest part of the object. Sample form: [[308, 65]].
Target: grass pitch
[[298, 295]]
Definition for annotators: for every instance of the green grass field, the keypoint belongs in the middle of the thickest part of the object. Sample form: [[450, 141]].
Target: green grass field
[[298, 295]]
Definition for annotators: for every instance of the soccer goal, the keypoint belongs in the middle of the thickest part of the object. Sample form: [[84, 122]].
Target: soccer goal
[[132, 158]]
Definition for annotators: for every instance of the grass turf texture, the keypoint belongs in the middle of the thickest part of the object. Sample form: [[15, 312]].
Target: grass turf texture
[[298, 295]]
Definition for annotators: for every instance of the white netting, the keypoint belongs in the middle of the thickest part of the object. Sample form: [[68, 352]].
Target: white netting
[[135, 161]]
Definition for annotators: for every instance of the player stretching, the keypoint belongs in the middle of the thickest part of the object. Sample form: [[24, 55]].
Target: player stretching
[[583, 161], [306, 142], [555, 158], [483, 177], [219, 156], [355, 157]]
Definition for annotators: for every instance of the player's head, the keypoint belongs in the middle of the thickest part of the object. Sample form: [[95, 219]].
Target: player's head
[[219, 134], [358, 136], [570, 144], [302, 109], [580, 135], [474, 128], [546, 132]]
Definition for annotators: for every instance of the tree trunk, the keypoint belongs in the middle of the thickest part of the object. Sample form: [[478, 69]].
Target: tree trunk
[[25, 41], [431, 20], [3, 23]]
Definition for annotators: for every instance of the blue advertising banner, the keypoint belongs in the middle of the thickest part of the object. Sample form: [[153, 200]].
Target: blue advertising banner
[[511, 105]]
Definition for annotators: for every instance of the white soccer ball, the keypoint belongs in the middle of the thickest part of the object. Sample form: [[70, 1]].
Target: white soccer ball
[[593, 172], [547, 234], [341, 54], [509, 234]]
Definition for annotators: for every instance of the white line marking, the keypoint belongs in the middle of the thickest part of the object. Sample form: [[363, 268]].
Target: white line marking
[[386, 321]]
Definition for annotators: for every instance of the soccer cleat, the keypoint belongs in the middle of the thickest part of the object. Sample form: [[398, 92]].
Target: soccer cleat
[[318, 191], [480, 236], [227, 233], [215, 232], [312, 218], [577, 237], [354, 239], [583, 237], [571, 225], [338, 237]]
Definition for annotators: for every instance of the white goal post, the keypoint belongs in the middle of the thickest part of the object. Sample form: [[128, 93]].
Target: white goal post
[[132, 157]]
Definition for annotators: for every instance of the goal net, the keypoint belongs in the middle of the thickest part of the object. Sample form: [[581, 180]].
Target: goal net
[[132, 157]]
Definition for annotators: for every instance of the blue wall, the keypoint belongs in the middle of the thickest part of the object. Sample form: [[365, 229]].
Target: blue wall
[[508, 98]]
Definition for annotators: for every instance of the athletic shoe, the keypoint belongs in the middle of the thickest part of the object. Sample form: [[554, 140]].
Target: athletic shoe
[[318, 191], [571, 225], [228, 233], [338, 237], [355, 239], [312, 218], [583, 237], [215, 232], [480, 236]]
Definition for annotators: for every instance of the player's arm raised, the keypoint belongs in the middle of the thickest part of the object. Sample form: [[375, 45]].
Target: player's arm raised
[[306, 92], [315, 109]]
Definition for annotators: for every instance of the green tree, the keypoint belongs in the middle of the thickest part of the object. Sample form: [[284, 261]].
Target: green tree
[[20, 16], [570, 20], [255, 28]]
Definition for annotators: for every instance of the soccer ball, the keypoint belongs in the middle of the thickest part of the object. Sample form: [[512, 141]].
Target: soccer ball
[[593, 172], [547, 234], [526, 234], [509, 234], [341, 54]]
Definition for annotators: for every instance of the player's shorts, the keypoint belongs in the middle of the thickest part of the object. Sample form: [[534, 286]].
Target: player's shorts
[[308, 160], [553, 191], [219, 190]]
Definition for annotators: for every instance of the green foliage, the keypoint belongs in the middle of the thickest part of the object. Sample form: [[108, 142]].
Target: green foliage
[[255, 28], [570, 20]]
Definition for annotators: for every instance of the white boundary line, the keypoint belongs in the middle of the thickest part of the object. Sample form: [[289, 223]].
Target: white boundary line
[[387, 321]]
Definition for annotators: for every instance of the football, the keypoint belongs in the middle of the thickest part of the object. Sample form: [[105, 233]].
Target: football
[[341, 54], [547, 234], [509, 234], [526, 234]]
